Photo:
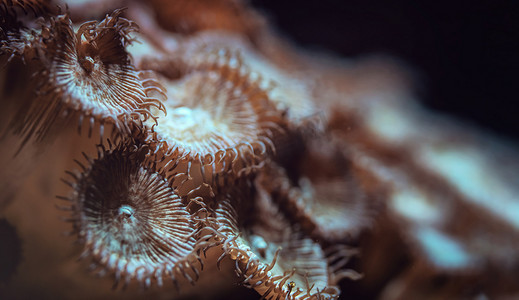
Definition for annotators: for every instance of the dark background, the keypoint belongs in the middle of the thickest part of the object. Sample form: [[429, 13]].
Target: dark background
[[466, 53]]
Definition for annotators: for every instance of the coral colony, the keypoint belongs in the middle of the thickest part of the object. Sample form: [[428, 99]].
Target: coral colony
[[194, 152]]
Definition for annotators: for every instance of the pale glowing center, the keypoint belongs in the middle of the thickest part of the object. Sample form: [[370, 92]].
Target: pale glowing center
[[88, 64], [187, 119], [191, 125], [126, 214], [197, 122]]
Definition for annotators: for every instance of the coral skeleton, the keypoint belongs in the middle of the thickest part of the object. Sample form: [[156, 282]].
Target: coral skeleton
[[220, 161]]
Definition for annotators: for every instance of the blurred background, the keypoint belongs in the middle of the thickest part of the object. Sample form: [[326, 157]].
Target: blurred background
[[465, 53]]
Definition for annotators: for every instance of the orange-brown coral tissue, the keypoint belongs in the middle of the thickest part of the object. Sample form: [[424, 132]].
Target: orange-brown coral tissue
[[184, 150]]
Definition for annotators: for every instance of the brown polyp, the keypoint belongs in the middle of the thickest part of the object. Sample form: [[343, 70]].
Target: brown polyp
[[233, 124], [131, 224], [86, 75]]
